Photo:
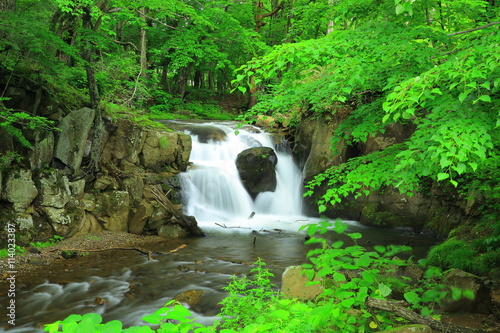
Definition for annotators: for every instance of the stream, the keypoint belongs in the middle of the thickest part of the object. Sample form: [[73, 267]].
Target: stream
[[132, 286]]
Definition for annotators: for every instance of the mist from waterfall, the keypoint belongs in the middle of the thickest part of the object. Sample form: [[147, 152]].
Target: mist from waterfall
[[212, 189]]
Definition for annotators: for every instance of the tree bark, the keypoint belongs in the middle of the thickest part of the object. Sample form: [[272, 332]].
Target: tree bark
[[98, 126], [399, 309], [143, 43], [188, 224]]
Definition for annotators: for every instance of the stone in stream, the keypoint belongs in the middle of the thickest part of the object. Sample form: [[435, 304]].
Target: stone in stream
[[294, 284], [256, 167], [190, 297]]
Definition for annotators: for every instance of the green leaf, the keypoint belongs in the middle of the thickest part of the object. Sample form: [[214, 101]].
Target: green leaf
[[468, 293], [242, 89], [355, 235], [384, 290], [412, 297], [443, 175], [485, 98], [321, 208]]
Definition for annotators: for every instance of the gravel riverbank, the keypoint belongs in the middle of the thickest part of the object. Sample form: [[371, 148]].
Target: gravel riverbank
[[28, 265]]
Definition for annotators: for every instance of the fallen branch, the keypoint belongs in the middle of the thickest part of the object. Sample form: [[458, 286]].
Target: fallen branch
[[399, 309], [141, 250], [189, 224], [226, 227]]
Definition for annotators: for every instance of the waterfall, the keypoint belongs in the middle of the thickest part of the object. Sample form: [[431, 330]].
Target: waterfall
[[213, 192]]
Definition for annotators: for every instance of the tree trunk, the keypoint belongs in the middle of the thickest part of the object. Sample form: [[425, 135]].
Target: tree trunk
[[143, 44], [98, 126], [182, 79], [259, 23]]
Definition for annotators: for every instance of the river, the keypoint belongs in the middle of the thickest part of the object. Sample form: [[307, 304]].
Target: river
[[131, 286]]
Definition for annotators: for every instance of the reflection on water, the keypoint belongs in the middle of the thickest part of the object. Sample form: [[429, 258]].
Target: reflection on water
[[132, 287]]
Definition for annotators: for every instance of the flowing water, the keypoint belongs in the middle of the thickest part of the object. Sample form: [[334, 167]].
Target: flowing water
[[132, 286]]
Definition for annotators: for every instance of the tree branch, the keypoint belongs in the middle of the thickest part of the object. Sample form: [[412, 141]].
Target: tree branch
[[127, 43], [473, 29], [157, 21]]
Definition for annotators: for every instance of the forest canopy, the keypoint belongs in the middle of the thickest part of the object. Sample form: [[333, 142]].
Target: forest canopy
[[430, 64]]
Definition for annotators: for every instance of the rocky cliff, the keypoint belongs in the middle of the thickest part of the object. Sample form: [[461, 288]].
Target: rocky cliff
[[49, 191], [430, 210]]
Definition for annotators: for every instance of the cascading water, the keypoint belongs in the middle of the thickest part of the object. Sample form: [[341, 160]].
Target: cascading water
[[212, 189]]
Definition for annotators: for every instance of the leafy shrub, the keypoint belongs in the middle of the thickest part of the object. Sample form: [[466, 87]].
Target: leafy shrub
[[453, 253]]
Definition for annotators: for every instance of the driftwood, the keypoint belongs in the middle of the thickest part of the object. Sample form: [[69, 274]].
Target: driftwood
[[398, 308], [226, 227], [139, 249], [186, 222]]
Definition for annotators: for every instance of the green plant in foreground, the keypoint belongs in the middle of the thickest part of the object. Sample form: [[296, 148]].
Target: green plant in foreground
[[55, 239], [4, 253], [350, 275]]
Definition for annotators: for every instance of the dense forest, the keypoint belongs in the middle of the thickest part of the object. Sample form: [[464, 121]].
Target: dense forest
[[430, 65]]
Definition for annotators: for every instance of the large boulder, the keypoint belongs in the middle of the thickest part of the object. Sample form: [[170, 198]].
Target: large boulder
[[164, 149], [43, 151], [54, 190], [75, 129], [256, 167], [124, 143], [295, 284], [141, 216], [20, 190], [463, 280]]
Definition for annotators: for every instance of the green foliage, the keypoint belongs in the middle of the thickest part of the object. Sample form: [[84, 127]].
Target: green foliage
[[350, 274], [4, 253], [54, 240], [454, 253], [13, 122]]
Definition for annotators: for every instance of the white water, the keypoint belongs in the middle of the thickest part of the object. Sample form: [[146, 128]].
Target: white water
[[212, 189]]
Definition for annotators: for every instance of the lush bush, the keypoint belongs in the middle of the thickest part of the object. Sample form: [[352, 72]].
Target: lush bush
[[453, 253]]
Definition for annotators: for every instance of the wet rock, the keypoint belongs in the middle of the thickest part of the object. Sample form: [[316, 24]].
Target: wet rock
[[43, 151], [207, 133], [112, 209], [172, 230], [295, 284], [20, 189], [75, 129], [54, 190], [141, 216], [463, 280], [256, 167], [100, 301], [190, 297]]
